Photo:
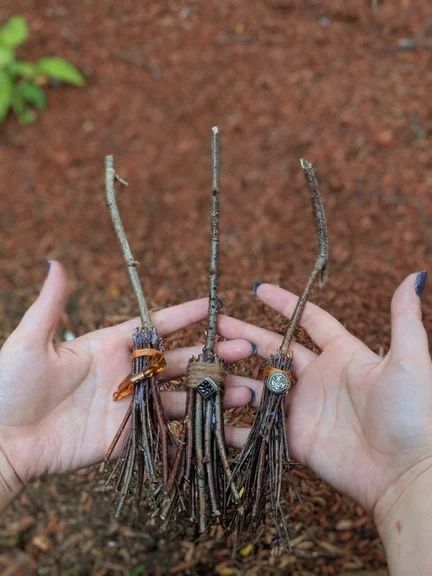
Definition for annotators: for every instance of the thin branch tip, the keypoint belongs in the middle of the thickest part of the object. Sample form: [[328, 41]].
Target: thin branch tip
[[215, 153], [109, 167], [121, 180], [320, 269], [305, 164], [110, 190]]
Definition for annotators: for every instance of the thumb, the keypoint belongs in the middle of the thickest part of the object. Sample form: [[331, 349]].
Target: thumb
[[43, 316], [408, 335]]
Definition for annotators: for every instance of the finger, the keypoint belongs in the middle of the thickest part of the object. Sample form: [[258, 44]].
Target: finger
[[235, 436], [320, 325], [43, 316], [267, 342], [408, 335], [174, 401], [167, 320], [254, 386], [229, 351]]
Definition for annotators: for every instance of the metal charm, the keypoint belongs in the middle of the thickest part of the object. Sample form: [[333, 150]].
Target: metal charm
[[207, 388], [278, 383]]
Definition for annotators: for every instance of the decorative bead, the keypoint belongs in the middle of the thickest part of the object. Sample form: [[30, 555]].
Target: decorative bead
[[207, 388], [278, 382]]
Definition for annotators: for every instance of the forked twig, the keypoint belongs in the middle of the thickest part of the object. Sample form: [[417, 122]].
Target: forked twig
[[110, 179]]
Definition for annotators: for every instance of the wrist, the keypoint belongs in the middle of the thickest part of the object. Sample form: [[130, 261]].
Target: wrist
[[10, 482], [403, 516]]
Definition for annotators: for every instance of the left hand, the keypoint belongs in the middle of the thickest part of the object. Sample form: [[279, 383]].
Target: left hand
[[56, 407]]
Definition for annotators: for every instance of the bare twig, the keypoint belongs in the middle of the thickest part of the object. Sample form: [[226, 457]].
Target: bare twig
[[207, 474], [321, 263], [258, 471], [209, 349], [131, 263]]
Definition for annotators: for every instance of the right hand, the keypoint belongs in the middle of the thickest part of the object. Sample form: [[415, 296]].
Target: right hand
[[362, 422]]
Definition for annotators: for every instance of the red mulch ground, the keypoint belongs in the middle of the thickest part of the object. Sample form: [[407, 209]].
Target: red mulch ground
[[283, 78]]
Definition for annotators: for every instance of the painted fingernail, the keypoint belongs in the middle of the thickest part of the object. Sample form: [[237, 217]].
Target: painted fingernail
[[255, 286], [254, 348], [47, 264], [420, 282], [253, 396]]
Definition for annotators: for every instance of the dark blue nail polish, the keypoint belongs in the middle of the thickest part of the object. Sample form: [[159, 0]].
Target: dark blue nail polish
[[47, 264], [255, 286], [254, 348], [420, 282], [253, 394]]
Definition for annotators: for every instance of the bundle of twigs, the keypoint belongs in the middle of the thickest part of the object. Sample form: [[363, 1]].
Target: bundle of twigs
[[201, 477], [145, 453], [258, 470]]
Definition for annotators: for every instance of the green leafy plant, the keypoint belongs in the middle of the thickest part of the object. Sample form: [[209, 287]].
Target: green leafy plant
[[22, 82]]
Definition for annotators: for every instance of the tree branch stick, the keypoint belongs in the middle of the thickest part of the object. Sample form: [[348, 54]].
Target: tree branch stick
[[119, 433], [210, 463], [321, 263], [209, 348], [110, 178], [200, 464]]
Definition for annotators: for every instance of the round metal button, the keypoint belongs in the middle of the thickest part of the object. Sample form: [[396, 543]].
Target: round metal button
[[278, 383]]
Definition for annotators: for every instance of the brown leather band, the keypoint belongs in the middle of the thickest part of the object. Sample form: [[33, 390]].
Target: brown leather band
[[268, 371]]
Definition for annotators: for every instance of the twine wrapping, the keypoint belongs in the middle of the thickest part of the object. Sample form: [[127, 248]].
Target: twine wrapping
[[197, 371], [156, 364]]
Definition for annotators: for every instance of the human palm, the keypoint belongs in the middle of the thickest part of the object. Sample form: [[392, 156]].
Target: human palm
[[56, 407], [358, 420]]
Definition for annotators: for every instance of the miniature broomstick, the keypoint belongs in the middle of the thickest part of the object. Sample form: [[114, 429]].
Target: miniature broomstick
[[144, 456], [201, 477], [258, 471]]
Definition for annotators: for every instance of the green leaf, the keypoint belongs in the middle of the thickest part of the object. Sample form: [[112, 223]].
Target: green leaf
[[17, 102], [31, 93], [5, 94], [14, 32], [60, 69], [6, 56], [28, 116], [24, 69]]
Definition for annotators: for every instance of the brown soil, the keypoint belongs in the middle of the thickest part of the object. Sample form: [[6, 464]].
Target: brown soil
[[284, 79]]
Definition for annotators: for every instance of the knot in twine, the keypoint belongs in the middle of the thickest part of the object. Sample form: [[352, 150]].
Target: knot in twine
[[198, 371], [156, 363]]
